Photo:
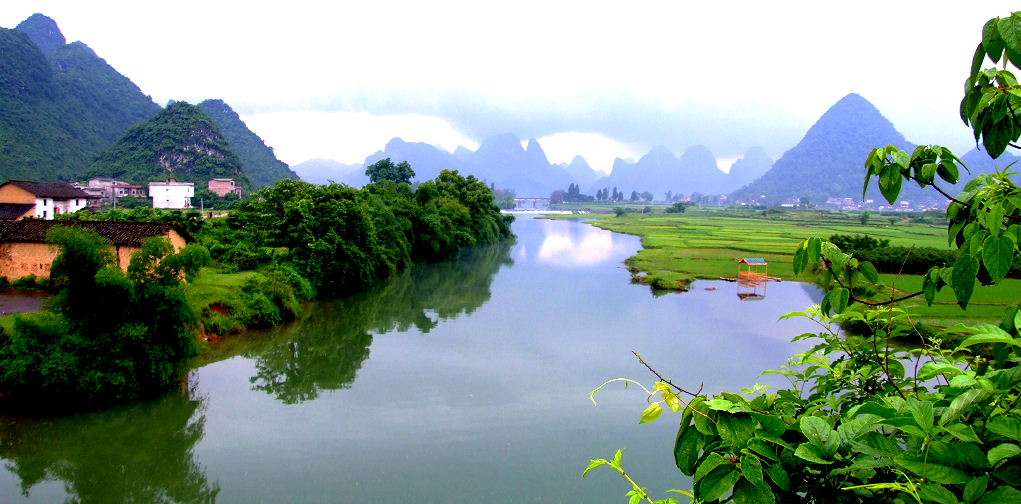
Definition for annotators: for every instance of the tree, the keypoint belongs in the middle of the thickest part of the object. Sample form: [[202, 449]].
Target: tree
[[864, 420], [107, 337], [384, 169], [863, 217]]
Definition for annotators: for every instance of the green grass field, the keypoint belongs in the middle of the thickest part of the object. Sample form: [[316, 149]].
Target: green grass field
[[706, 244]]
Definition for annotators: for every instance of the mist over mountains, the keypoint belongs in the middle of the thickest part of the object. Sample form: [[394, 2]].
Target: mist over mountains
[[66, 114]]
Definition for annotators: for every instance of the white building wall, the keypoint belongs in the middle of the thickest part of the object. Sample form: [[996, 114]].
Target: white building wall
[[171, 195]]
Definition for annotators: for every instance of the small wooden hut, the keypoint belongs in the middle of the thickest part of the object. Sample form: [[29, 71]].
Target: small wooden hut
[[753, 269]]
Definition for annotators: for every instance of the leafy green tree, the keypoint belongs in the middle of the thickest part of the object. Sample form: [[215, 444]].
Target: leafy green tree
[[863, 420], [863, 217], [384, 169], [107, 337]]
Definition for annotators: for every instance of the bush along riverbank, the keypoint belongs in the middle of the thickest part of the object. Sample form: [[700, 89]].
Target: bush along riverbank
[[109, 337]]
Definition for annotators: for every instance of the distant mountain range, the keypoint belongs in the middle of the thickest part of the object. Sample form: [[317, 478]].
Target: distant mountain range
[[66, 114], [829, 161], [62, 107]]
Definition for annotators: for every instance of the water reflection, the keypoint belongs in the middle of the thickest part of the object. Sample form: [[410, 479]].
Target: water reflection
[[326, 348], [577, 246], [141, 453]]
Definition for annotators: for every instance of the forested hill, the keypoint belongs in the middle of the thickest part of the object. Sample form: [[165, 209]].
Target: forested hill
[[829, 161], [60, 104], [180, 142], [257, 159]]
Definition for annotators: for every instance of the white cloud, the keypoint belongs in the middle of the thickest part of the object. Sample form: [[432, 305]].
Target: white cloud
[[348, 137]]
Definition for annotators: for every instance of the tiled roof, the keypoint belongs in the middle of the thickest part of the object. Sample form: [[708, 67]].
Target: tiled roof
[[753, 261], [55, 190], [15, 210], [119, 232]]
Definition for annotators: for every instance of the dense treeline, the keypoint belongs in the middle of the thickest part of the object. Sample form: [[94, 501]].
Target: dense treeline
[[344, 239], [901, 260]]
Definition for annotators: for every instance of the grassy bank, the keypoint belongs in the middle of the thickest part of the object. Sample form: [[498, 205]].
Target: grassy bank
[[705, 244]]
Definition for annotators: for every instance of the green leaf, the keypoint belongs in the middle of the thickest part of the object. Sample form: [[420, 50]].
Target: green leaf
[[921, 411], [735, 429], [1010, 32], [1001, 495], [800, 260], [974, 489], [933, 369], [991, 40], [947, 170], [779, 477], [890, 182], [651, 413], [1003, 451], [687, 449], [712, 461], [994, 220], [762, 448], [747, 493], [937, 473], [964, 432], [988, 333], [937, 493], [961, 403], [719, 404], [1009, 428], [594, 463], [962, 279], [998, 256], [869, 271], [717, 483], [751, 469], [811, 453], [903, 159]]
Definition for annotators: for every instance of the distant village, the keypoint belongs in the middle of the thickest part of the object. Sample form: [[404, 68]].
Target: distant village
[[45, 200]]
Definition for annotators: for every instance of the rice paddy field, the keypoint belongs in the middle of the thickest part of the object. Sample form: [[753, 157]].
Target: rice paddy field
[[707, 243]]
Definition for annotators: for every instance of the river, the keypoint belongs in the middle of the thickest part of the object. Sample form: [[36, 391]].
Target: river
[[464, 381]]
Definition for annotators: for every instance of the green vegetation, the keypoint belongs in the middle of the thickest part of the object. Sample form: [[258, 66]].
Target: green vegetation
[[107, 336], [862, 420], [302, 241], [60, 107], [257, 159], [384, 169], [180, 141]]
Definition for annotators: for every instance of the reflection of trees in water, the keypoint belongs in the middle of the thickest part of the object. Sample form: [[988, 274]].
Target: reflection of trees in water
[[140, 453], [325, 349]]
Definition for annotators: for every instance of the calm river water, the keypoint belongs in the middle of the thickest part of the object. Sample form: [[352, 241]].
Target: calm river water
[[457, 382]]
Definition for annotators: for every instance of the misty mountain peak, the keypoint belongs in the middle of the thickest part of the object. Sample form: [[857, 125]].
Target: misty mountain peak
[[535, 152], [579, 162], [43, 32], [659, 153]]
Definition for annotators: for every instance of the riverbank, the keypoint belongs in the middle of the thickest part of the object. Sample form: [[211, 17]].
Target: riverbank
[[680, 248]]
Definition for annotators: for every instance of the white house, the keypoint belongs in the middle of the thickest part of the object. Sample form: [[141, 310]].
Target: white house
[[49, 198], [171, 194]]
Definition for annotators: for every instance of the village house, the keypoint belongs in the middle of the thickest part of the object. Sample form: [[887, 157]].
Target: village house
[[224, 186], [107, 191], [24, 251], [47, 198], [171, 194]]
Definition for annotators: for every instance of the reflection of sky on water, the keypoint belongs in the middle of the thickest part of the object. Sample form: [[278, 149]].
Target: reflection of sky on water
[[578, 246]]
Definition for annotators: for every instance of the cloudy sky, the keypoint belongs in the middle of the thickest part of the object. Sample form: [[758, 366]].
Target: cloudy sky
[[602, 79]]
